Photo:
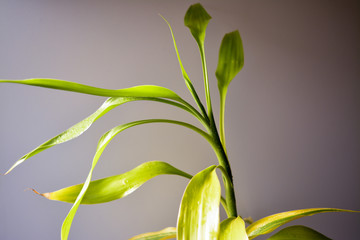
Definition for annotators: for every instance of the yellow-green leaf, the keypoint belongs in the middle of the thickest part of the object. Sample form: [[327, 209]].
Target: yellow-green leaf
[[103, 142], [233, 228], [137, 91], [115, 187], [270, 223], [197, 19], [185, 75], [231, 59], [77, 129], [298, 233], [199, 210], [167, 233]]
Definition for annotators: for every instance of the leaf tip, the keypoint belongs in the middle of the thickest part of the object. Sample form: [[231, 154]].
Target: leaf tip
[[45, 195]]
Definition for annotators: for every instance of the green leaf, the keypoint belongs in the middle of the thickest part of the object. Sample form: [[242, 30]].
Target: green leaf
[[115, 187], [167, 233], [231, 59], [185, 75], [233, 228], [103, 142], [298, 233], [199, 210], [85, 124], [137, 91], [270, 223], [197, 19], [77, 129]]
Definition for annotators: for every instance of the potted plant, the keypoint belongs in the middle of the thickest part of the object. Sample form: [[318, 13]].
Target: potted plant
[[198, 216]]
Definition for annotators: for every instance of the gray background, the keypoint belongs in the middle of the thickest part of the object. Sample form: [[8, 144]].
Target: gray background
[[292, 116]]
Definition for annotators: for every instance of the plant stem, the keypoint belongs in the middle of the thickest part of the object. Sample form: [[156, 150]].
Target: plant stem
[[206, 80], [222, 117], [228, 180], [219, 147]]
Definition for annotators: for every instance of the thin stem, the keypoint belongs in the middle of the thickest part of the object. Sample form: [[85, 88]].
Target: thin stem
[[228, 181], [206, 79], [222, 117], [223, 203], [218, 147]]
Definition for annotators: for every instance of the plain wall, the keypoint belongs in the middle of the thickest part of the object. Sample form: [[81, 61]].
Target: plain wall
[[292, 115]]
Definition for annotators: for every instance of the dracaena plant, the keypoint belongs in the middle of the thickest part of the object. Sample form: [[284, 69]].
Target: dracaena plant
[[198, 216]]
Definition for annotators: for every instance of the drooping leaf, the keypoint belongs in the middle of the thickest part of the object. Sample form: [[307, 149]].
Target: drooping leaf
[[115, 187], [198, 217], [137, 91], [270, 223], [103, 142], [298, 233], [231, 59], [75, 130], [79, 128], [233, 228], [197, 19], [167, 233]]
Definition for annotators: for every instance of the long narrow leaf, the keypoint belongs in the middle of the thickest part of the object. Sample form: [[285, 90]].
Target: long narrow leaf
[[79, 128], [298, 233], [185, 75], [233, 228], [199, 210], [115, 187], [75, 130], [103, 142], [270, 223], [137, 91], [167, 233]]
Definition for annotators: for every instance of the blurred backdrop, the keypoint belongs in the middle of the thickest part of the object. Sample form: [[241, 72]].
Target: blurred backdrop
[[292, 115]]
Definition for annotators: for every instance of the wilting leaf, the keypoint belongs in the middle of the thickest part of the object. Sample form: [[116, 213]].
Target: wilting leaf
[[270, 223], [137, 91], [103, 142], [197, 19], [115, 187], [78, 128], [231, 59], [233, 228], [167, 233], [199, 210], [298, 233]]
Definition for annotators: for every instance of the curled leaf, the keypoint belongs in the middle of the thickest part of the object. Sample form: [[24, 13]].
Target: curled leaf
[[197, 19]]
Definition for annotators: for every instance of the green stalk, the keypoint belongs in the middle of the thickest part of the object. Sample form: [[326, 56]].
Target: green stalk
[[206, 80], [228, 180], [219, 147], [222, 117]]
